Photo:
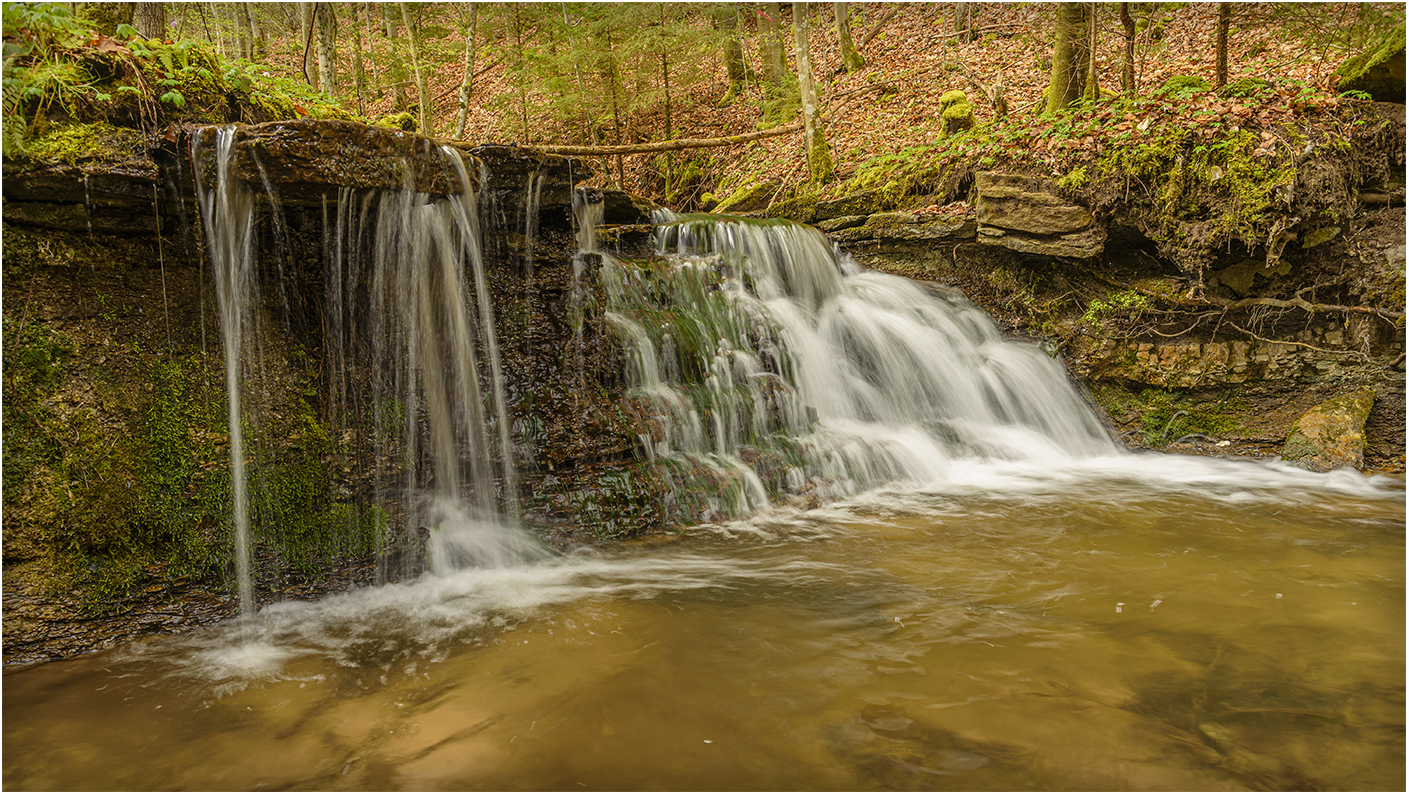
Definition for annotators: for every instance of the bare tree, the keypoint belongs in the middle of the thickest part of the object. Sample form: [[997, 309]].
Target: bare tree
[[466, 82], [819, 157], [422, 90]]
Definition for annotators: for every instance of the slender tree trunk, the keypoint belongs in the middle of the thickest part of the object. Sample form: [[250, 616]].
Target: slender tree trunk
[[1127, 63], [467, 82], [396, 66], [522, 72], [613, 76], [422, 90], [151, 20], [1225, 16], [306, 23], [770, 46], [359, 72], [850, 56], [243, 45], [819, 157], [327, 47], [1092, 90], [259, 47], [1069, 56]]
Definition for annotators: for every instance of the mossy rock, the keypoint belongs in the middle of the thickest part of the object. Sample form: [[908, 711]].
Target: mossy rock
[[1331, 434], [1378, 72], [957, 117], [749, 197], [950, 98], [404, 121]]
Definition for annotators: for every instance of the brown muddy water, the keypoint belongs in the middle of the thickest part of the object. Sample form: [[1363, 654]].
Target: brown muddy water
[[1133, 622]]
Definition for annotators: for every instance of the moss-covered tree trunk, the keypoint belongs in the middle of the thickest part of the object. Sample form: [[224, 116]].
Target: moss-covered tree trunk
[[770, 47], [732, 52], [819, 156], [107, 16], [850, 56], [1069, 56]]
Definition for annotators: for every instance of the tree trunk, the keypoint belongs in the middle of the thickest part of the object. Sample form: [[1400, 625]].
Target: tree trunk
[[770, 46], [422, 90], [1127, 63], [468, 81], [359, 72], [733, 53], [965, 21], [151, 20], [1069, 57], [850, 56], [819, 158], [1092, 90], [327, 47], [1225, 15], [107, 16], [259, 46], [396, 68], [306, 25], [522, 72]]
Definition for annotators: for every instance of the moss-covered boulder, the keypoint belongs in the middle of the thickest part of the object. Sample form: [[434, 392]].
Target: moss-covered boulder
[[1378, 71], [749, 198], [1332, 434]]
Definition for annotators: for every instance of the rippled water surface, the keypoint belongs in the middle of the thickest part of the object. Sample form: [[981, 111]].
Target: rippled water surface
[[1141, 622]]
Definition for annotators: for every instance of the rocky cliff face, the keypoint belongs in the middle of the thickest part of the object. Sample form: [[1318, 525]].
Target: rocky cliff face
[[117, 487]]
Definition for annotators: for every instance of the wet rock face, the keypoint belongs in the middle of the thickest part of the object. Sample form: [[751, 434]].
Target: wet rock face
[[1332, 434], [306, 157], [1026, 215]]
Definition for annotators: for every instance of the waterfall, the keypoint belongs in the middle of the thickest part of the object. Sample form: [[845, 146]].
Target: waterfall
[[776, 367], [227, 213], [407, 330]]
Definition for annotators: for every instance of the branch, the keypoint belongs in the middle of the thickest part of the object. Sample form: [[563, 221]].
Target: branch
[[876, 28], [1297, 303], [668, 146]]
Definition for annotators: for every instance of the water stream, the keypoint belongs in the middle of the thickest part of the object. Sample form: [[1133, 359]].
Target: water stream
[[923, 564], [1129, 622]]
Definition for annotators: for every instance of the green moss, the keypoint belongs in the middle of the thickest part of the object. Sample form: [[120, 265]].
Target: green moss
[[1073, 179], [1183, 86], [99, 142], [950, 98], [398, 121]]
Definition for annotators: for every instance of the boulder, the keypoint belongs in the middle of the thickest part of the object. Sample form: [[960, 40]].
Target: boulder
[[1025, 214], [1331, 434]]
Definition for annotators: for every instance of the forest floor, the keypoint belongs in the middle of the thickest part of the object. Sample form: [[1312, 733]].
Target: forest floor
[[893, 102]]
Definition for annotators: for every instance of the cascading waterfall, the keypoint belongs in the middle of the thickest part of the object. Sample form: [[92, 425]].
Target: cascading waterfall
[[407, 323], [774, 365]]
